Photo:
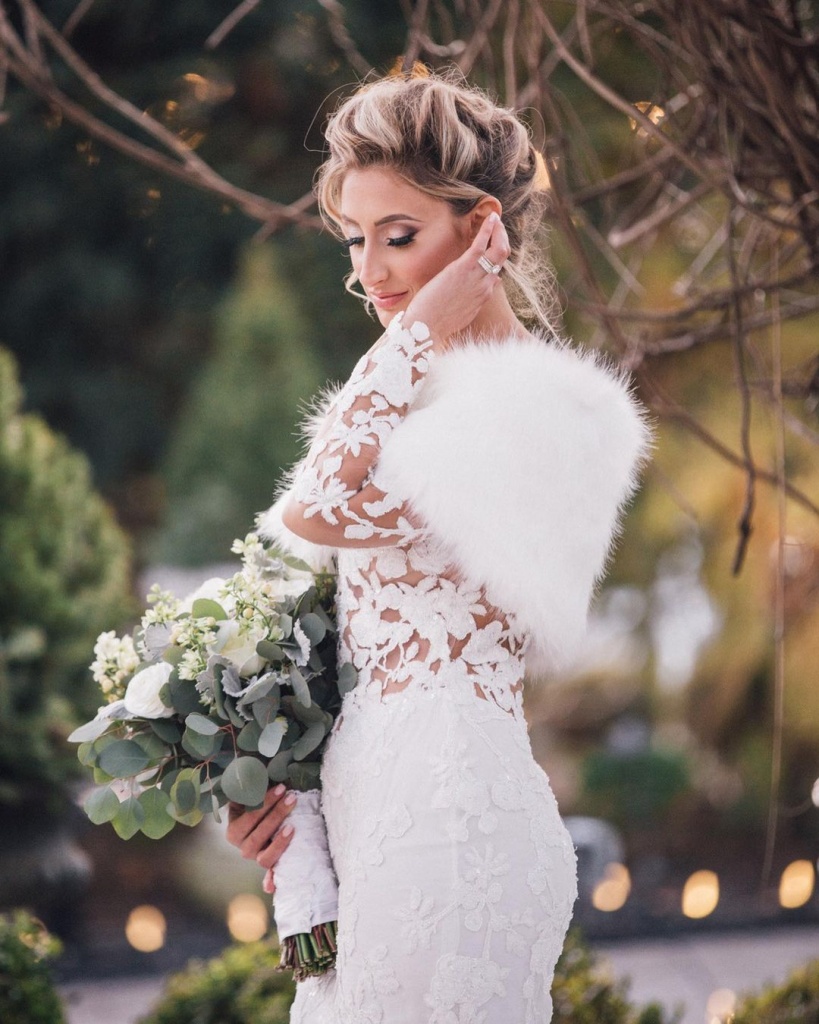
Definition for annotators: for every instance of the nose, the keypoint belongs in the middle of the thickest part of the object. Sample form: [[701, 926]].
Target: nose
[[372, 267]]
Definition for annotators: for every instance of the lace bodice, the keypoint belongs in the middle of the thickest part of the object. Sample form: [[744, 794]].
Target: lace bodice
[[405, 617]]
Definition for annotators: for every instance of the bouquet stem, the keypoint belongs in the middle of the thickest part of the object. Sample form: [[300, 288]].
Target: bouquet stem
[[309, 953]]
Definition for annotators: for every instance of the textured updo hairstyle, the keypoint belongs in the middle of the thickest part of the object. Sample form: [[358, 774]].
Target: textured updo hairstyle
[[453, 143]]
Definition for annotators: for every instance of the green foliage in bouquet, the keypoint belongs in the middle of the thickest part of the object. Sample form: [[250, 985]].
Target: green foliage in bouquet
[[583, 993], [242, 986], [27, 993], [215, 697], [64, 576], [796, 1001]]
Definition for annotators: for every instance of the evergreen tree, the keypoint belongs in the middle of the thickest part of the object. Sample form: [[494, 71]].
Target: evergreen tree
[[238, 429]]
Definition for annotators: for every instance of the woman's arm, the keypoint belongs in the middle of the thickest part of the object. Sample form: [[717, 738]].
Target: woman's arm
[[333, 500]]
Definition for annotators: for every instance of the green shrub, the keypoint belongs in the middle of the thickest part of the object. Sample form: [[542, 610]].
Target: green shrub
[[632, 789], [27, 993], [242, 986], [64, 577], [794, 1002], [583, 993]]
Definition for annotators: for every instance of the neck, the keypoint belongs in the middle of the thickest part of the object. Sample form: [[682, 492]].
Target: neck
[[496, 319]]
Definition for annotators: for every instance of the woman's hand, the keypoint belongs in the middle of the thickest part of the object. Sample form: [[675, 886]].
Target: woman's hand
[[451, 300], [261, 835]]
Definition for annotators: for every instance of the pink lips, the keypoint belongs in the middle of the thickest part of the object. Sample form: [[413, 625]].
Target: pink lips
[[388, 300]]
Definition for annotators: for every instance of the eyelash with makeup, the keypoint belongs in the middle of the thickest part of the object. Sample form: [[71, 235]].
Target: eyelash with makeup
[[348, 243]]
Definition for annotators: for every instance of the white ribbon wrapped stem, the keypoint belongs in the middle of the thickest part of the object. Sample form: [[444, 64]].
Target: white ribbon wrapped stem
[[306, 886]]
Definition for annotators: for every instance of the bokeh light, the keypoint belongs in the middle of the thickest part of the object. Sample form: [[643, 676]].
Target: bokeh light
[[720, 1006], [247, 918], [145, 929], [612, 891], [796, 884], [700, 894]]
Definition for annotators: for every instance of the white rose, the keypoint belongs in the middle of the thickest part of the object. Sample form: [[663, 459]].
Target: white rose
[[142, 696], [239, 649]]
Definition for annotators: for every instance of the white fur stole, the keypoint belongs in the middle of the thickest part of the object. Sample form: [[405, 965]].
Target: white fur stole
[[520, 456]]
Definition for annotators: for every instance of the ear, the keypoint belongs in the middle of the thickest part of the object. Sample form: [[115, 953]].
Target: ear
[[485, 206]]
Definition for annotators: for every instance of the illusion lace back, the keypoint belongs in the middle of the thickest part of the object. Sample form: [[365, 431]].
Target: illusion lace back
[[456, 874]]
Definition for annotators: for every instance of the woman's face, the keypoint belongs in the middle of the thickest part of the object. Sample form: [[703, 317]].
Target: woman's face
[[397, 236]]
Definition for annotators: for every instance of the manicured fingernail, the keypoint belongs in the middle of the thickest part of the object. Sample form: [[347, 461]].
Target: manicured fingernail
[[493, 218], [279, 789], [291, 798], [288, 830]]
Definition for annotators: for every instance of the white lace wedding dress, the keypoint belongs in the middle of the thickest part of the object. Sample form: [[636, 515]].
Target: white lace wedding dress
[[456, 874]]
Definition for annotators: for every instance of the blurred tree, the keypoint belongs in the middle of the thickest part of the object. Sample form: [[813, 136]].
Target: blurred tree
[[64, 577], [236, 433]]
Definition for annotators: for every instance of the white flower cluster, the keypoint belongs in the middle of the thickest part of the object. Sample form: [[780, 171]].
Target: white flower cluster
[[115, 658], [164, 607]]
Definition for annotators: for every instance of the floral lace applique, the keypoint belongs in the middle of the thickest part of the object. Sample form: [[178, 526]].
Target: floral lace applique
[[381, 389]]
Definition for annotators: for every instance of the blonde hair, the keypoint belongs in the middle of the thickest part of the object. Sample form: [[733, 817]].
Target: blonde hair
[[453, 143]]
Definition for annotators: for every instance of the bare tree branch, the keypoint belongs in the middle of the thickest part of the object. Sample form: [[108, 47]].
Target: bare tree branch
[[222, 30], [343, 39]]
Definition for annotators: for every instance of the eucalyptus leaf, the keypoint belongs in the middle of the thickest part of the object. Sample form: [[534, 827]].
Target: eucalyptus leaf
[[154, 747], [295, 563], [204, 726], [248, 738], [245, 781], [90, 731], [166, 729], [191, 818], [123, 759], [185, 793], [277, 766], [199, 746], [271, 738], [157, 822], [307, 743], [300, 687], [101, 805], [87, 755], [269, 651], [347, 678], [184, 696], [205, 608], [314, 628], [173, 655], [286, 624], [266, 709], [129, 818], [258, 688]]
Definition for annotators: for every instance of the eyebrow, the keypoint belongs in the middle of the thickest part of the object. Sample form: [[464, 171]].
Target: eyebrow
[[385, 220]]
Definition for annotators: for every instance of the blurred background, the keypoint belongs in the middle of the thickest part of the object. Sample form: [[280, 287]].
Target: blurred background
[[169, 303]]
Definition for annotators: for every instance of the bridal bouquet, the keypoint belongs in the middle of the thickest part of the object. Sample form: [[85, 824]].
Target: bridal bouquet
[[214, 698]]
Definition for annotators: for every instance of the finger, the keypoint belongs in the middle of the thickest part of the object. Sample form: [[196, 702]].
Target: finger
[[481, 240], [264, 831], [278, 844], [268, 882], [241, 822]]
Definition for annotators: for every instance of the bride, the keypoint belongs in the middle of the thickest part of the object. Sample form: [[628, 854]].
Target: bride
[[468, 479]]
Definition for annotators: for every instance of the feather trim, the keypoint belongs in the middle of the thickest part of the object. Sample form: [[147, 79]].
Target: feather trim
[[521, 455]]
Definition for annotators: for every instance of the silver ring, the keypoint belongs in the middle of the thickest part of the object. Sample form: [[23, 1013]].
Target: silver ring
[[486, 264]]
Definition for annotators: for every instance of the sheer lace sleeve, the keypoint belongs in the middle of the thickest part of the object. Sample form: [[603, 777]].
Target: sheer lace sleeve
[[333, 498]]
